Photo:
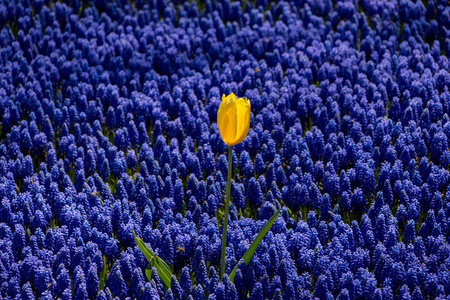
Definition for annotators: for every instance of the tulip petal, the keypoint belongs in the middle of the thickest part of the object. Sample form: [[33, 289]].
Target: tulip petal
[[226, 119], [231, 97], [243, 119]]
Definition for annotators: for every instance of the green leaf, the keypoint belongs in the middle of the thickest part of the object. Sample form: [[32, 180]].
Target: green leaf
[[163, 270], [148, 272], [103, 275], [149, 255], [251, 250], [165, 275]]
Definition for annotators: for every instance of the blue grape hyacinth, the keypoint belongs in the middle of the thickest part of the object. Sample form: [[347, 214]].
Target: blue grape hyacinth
[[108, 126]]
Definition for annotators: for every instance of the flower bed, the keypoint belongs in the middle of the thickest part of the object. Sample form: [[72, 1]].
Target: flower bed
[[108, 117]]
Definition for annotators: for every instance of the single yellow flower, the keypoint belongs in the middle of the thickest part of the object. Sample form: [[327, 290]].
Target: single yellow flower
[[233, 119]]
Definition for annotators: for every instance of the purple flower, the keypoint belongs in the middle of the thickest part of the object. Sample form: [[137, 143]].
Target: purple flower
[[254, 193], [115, 282], [185, 280]]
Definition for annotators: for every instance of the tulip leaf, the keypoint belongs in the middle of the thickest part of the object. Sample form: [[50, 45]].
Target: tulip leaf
[[149, 255], [251, 250], [163, 270], [148, 272], [165, 275]]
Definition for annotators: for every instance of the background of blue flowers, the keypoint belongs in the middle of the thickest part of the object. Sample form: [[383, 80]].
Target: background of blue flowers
[[108, 113]]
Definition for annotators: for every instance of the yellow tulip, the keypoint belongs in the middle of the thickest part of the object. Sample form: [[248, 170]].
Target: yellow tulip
[[233, 119]]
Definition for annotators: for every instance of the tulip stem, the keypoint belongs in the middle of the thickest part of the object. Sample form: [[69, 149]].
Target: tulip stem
[[225, 216]]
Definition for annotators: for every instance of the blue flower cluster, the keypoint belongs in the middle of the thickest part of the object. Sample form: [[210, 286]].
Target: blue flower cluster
[[108, 125]]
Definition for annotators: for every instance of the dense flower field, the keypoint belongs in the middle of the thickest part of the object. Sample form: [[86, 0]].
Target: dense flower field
[[108, 116]]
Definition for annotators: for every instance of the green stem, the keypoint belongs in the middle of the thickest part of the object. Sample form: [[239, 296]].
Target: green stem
[[225, 216]]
